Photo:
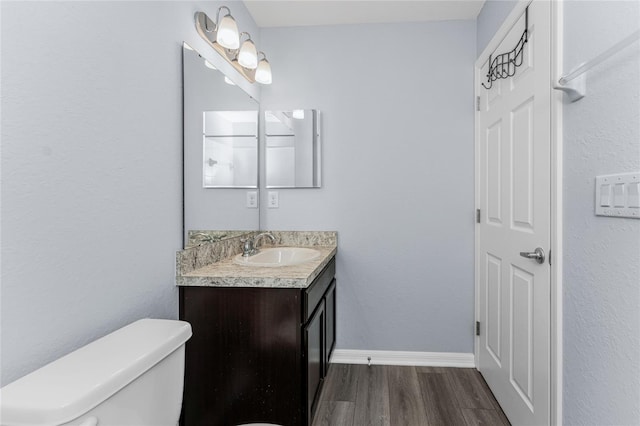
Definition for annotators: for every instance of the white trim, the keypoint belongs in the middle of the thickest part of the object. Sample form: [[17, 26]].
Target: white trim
[[556, 323], [425, 359], [557, 105], [476, 230]]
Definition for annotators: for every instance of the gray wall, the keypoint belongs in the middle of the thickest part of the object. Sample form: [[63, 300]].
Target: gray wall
[[397, 174], [91, 169], [601, 268], [490, 18], [602, 255]]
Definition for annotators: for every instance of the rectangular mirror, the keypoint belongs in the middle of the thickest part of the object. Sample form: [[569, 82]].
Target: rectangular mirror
[[293, 149], [200, 237], [230, 149], [220, 148]]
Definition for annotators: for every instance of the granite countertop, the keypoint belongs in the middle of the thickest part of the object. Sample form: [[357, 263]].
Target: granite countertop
[[227, 273]]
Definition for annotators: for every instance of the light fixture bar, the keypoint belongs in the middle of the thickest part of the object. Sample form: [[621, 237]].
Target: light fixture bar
[[208, 31]]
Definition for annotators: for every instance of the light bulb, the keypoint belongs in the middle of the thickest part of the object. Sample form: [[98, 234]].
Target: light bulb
[[248, 55], [263, 72], [228, 35]]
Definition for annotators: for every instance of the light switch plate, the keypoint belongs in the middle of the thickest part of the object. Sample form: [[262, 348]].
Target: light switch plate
[[618, 195], [252, 199], [273, 202]]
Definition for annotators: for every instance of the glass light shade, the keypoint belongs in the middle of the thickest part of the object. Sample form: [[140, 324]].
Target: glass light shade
[[263, 72], [248, 55], [227, 35]]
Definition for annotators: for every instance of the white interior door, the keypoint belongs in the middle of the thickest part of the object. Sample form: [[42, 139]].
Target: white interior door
[[513, 137]]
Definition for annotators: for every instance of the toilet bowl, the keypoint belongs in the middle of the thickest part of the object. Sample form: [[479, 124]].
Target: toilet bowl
[[133, 376]]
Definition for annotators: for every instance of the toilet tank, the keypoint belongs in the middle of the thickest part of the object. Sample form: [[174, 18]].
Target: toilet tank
[[133, 376]]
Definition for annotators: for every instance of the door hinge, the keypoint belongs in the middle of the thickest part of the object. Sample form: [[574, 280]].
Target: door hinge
[[477, 215], [477, 328], [477, 103]]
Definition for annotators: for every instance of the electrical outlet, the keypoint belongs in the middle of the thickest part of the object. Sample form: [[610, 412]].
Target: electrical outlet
[[273, 202], [252, 199]]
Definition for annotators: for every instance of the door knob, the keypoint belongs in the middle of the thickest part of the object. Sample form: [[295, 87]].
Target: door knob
[[537, 254]]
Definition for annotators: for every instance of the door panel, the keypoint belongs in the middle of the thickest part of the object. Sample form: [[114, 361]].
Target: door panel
[[514, 133], [314, 357], [494, 174], [330, 313], [521, 331], [522, 189], [494, 309]]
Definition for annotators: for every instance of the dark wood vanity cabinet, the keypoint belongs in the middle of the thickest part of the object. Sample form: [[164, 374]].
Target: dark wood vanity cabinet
[[257, 354], [314, 344], [330, 309]]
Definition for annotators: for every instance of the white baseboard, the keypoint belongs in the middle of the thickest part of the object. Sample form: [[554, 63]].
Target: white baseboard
[[424, 359]]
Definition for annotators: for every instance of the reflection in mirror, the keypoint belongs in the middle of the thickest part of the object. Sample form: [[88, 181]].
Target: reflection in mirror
[[293, 149], [220, 151], [230, 149], [198, 237]]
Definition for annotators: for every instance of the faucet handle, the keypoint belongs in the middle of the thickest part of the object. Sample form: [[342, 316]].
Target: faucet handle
[[247, 247]]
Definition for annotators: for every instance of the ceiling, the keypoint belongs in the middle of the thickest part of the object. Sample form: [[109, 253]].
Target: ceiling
[[288, 13]]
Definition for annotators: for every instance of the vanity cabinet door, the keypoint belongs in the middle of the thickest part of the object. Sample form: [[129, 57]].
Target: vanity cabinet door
[[314, 344], [330, 333], [244, 362]]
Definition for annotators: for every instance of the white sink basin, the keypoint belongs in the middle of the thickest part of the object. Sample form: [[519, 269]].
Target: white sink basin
[[278, 256]]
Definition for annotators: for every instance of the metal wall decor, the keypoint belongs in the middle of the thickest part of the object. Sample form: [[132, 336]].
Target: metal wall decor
[[505, 64]]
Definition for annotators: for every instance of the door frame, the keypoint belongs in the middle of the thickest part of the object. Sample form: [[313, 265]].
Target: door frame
[[556, 108]]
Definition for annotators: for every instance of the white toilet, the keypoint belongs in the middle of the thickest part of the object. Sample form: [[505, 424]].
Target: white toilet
[[133, 376]]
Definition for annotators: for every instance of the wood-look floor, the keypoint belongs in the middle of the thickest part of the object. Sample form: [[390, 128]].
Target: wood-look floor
[[359, 395]]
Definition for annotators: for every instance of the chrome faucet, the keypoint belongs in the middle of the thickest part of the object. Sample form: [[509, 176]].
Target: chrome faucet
[[257, 238], [250, 245]]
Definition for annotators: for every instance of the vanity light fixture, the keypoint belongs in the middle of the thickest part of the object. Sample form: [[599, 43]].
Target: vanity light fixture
[[248, 54], [226, 30], [263, 72], [223, 36]]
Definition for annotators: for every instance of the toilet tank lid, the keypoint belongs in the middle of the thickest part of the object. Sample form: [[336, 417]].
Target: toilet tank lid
[[72, 385]]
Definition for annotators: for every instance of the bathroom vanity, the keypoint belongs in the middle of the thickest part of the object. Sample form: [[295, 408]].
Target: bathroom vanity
[[262, 337]]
